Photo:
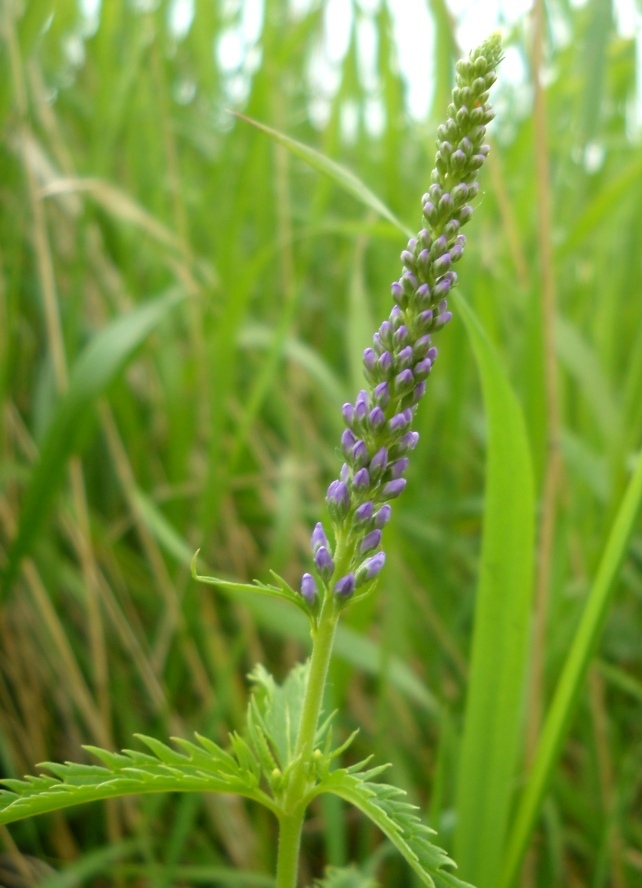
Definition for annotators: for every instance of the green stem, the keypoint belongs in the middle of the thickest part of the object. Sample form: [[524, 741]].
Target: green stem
[[291, 822]]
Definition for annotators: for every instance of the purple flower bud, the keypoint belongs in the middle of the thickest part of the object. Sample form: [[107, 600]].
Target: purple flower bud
[[466, 146], [460, 194], [404, 381], [441, 288], [442, 264], [456, 252], [359, 454], [401, 336], [404, 358], [338, 499], [419, 391], [396, 317], [369, 359], [408, 259], [408, 281], [370, 568], [421, 346], [422, 369], [430, 211], [319, 538], [457, 159], [364, 512], [394, 488], [451, 228], [423, 262], [308, 588], [435, 191], [385, 363], [460, 240], [445, 204], [439, 247], [348, 414], [407, 442], [378, 463], [443, 319], [348, 441], [344, 587], [422, 296], [425, 237], [361, 410], [385, 333], [465, 214], [361, 480], [398, 467], [370, 541], [398, 293], [382, 517], [381, 394], [425, 318], [473, 190], [377, 417], [324, 563], [398, 422], [476, 162], [344, 474], [412, 244]]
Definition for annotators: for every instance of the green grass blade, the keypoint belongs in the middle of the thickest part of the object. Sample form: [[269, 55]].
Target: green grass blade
[[492, 732], [100, 362], [339, 174], [563, 706]]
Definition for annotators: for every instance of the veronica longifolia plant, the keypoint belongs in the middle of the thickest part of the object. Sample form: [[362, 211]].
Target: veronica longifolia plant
[[285, 758]]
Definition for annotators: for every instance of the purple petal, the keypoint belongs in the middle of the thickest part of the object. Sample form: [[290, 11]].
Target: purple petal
[[348, 413], [308, 588], [371, 567], [364, 512], [369, 359], [345, 586], [382, 517], [394, 488], [361, 480], [407, 442], [377, 418], [319, 538], [381, 394], [398, 467], [324, 562], [348, 441], [370, 541], [379, 462], [360, 454]]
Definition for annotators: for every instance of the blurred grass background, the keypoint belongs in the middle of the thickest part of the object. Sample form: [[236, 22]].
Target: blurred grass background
[[183, 306]]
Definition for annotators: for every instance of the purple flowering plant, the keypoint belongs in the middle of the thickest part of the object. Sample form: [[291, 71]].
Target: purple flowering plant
[[285, 759]]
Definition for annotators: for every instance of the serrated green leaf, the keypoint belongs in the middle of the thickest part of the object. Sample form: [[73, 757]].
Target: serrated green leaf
[[277, 708], [131, 773], [397, 819]]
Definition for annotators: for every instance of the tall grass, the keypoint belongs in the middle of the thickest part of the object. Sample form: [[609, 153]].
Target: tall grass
[[183, 300]]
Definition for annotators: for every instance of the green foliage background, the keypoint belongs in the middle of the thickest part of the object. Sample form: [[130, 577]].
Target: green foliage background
[[183, 306]]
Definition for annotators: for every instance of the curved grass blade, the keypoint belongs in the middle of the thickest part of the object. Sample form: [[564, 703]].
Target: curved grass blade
[[492, 730], [567, 691], [99, 363], [343, 177]]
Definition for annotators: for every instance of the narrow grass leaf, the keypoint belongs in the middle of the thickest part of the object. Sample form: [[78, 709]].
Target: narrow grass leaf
[[100, 362], [492, 730], [566, 694], [339, 174]]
